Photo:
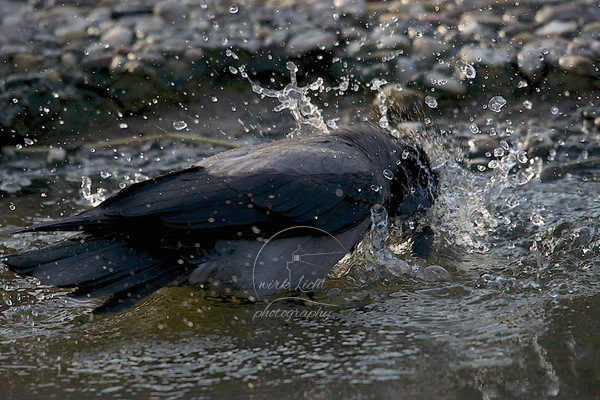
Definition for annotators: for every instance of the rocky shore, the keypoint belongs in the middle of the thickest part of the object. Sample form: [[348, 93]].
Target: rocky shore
[[67, 65]]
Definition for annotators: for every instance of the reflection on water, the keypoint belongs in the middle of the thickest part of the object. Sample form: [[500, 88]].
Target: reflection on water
[[517, 319]]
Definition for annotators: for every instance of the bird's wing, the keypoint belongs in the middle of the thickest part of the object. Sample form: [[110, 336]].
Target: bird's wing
[[249, 189]]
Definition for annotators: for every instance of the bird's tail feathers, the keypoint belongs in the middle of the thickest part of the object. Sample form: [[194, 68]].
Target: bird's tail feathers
[[98, 267]]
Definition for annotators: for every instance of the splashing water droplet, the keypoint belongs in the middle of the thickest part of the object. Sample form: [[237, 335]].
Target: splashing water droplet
[[12, 206], [375, 188], [28, 141], [105, 174], [297, 100], [405, 154], [431, 101], [467, 69], [554, 110], [233, 9], [123, 125], [528, 104], [388, 174], [179, 125], [496, 103]]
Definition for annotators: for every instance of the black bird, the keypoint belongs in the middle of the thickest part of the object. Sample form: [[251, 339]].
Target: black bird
[[238, 219]]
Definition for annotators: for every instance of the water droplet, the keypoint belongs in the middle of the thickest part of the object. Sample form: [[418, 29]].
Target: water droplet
[[522, 84], [522, 157], [375, 188], [496, 103], [179, 125], [528, 104], [474, 128], [554, 110], [28, 141], [12, 206], [467, 69], [233, 70], [123, 125], [203, 4], [498, 152], [105, 174], [234, 9], [388, 174], [431, 101], [405, 154]]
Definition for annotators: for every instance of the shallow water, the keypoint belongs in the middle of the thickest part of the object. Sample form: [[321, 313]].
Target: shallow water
[[518, 318]]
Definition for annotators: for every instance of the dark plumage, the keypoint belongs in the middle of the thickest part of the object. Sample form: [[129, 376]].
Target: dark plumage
[[234, 219]]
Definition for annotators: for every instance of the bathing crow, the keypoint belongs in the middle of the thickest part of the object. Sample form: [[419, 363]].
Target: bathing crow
[[255, 219]]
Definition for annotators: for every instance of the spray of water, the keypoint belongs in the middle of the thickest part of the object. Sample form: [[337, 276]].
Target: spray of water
[[308, 117]]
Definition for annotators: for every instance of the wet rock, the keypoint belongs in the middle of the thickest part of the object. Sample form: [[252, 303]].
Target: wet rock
[[129, 8], [75, 30], [172, 12], [24, 63], [578, 65], [477, 55], [116, 37], [429, 47], [535, 56], [443, 84], [96, 57], [552, 172], [392, 42], [557, 28], [584, 48], [9, 51], [193, 55], [538, 143], [406, 69], [311, 40]]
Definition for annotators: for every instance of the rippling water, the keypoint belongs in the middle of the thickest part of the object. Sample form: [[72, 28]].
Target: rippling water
[[517, 319]]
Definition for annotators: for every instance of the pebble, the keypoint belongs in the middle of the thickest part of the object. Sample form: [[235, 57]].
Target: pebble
[[578, 65], [557, 28], [172, 12], [24, 62], [311, 40], [116, 37]]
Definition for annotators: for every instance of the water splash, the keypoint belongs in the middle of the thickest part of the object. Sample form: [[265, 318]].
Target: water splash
[[467, 69], [86, 192], [308, 117]]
